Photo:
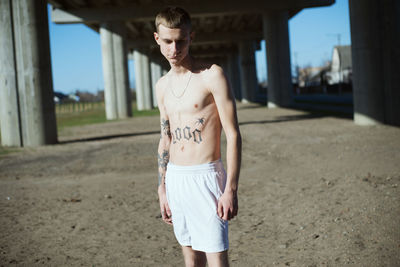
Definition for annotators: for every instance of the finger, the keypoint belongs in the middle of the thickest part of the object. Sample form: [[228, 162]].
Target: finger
[[230, 215], [163, 211], [226, 214], [168, 210], [220, 210], [168, 218], [235, 211], [163, 215]]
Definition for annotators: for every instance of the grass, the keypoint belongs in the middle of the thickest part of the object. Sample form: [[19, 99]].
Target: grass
[[7, 150], [96, 115], [79, 118]]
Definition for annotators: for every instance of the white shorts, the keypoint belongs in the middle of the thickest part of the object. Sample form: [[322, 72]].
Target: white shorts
[[192, 194]]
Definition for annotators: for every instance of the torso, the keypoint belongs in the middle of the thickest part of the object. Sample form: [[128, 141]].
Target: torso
[[194, 121]]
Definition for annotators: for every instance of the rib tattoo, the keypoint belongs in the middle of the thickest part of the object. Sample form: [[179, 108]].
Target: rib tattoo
[[200, 121]]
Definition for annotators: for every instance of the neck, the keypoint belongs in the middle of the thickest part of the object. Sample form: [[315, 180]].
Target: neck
[[183, 66]]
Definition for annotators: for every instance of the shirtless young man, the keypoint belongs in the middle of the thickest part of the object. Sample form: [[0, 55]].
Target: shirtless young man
[[196, 195]]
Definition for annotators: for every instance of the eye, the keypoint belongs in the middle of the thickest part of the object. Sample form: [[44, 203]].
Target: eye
[[182, 41]]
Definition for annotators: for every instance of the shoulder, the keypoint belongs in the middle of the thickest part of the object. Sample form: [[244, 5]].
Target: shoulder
[[214, 75], [210, 73], [214, 78], [216, 69], [209, 70]]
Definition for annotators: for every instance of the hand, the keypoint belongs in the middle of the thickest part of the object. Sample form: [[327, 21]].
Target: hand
[[227, 205], [164, 207]]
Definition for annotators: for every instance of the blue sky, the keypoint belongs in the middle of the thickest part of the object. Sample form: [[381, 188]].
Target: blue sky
[[76, 51]]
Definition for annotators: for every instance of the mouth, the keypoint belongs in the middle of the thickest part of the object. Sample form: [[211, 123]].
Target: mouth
[[174, 56]]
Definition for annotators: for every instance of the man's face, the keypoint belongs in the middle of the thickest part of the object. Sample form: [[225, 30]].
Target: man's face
[[174, 43]]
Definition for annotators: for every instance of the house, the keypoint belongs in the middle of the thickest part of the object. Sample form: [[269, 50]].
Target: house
[[341, 66]]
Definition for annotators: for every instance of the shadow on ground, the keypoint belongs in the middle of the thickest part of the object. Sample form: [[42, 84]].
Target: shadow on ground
[[108, 137]]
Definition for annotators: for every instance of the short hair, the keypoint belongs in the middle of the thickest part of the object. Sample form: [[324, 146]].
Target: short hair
[[173, 17]]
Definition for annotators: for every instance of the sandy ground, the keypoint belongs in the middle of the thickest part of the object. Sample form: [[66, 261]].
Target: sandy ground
[[314, 191]]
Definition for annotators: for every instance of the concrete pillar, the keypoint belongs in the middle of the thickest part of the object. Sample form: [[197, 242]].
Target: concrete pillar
[[110, 98], [143, 80], [148, 98], [34, 77], [123, 94], [234, 75], [115, 70], [276, 35], [9, 106], [248, 75], [156, 73], [375, 27], [137, 58]]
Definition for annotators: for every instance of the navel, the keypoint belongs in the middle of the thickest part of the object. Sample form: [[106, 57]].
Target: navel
[[182, 148], [196, 106]]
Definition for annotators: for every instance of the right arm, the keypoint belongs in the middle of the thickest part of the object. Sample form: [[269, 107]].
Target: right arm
[[163, 156]]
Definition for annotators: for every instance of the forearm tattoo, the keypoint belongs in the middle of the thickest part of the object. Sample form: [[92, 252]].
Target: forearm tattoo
[[163, 160], [166, 127], [187, 133]]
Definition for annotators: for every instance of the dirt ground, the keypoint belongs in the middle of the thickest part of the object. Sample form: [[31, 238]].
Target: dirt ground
[[315, 190]]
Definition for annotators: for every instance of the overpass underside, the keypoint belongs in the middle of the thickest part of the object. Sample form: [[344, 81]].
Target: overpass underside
[[227, 32]]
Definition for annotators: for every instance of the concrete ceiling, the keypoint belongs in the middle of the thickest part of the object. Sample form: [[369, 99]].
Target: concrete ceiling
[[219, 25]]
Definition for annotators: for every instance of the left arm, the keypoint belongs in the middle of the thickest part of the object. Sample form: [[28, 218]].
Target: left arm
[[225, 102]]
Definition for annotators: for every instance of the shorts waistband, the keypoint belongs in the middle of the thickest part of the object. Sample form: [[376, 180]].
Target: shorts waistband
[[206, 167]]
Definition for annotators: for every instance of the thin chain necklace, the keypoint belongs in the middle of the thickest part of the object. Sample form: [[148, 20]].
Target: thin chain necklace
[[184, 90]]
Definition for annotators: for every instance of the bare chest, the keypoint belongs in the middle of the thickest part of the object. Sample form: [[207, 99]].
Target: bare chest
[[193, 101]]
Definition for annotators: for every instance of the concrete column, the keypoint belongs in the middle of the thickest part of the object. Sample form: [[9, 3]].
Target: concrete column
[[137, 60], [146, 76], [34, 77], [375, 27], [156, 73], [107, 52], [276, 35], [123, 95], [9, 106], [234, 75], [110, 98], [143, 80], [248, 75]]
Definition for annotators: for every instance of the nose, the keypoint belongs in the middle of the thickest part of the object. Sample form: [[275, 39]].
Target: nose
[[174, 47]]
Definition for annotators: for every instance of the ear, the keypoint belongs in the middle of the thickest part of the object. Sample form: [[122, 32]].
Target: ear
[[157, 38]]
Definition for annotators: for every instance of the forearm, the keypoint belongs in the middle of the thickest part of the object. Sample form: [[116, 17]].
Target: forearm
[[233, 159], [163, 159]]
